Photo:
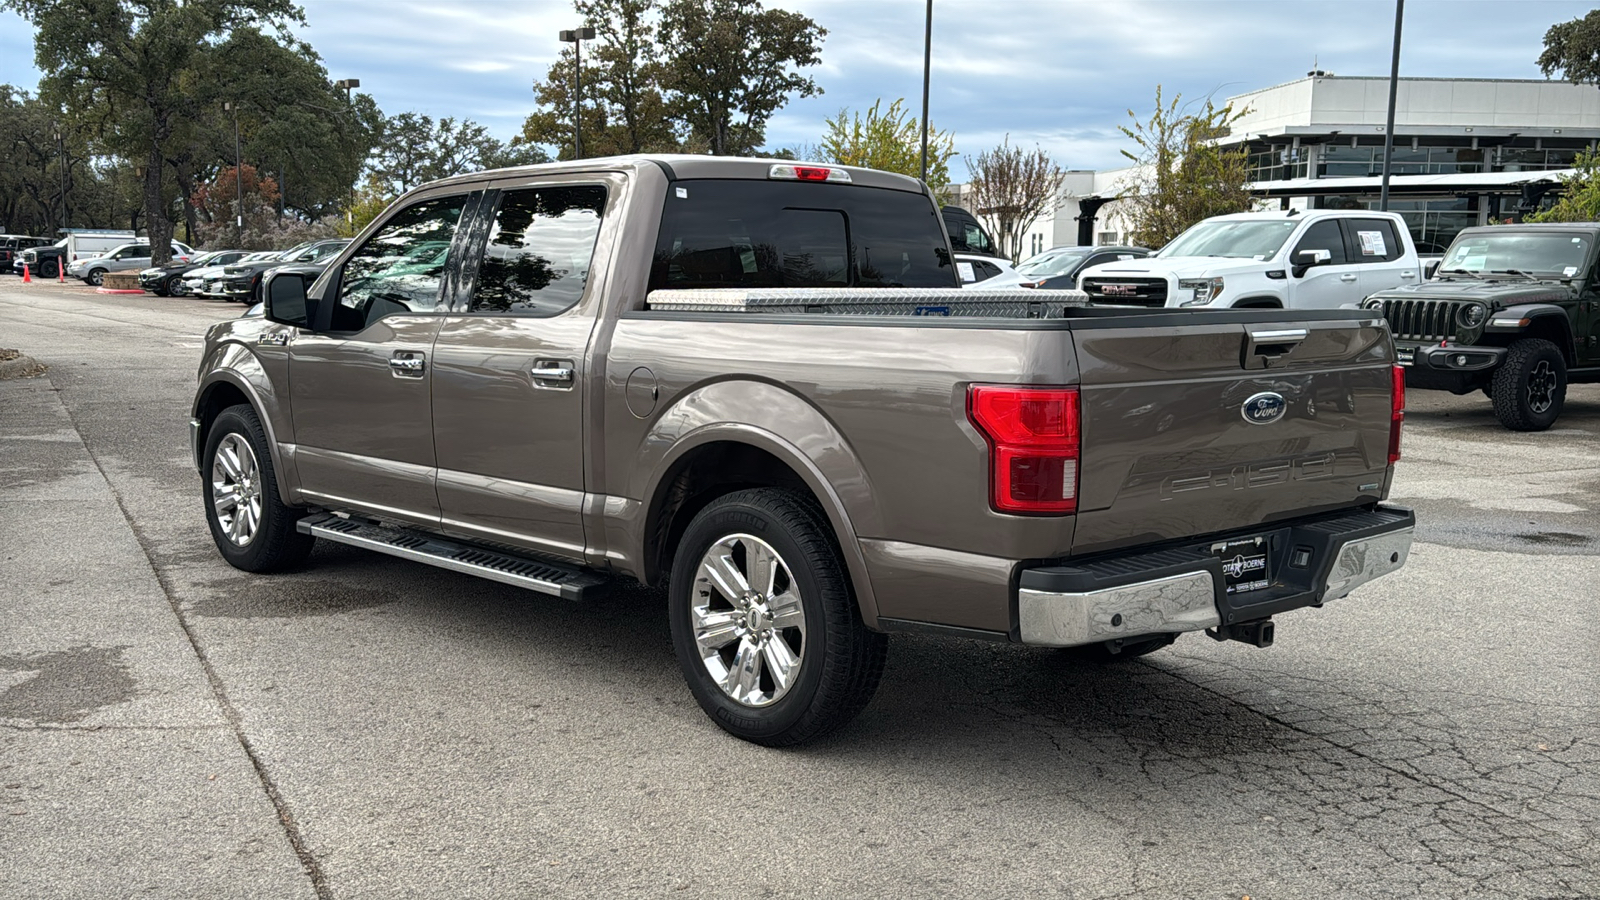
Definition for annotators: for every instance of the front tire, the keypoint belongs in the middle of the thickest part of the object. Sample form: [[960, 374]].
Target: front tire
[[253, 529], [174, 286], [1530, 387], [764, 623], [96, 277]]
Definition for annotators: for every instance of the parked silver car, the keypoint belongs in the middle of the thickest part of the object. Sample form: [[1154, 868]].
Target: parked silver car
[[125, 258]]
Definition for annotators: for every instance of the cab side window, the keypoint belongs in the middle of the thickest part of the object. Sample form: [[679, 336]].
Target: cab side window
[[539, 250], [1375, 240], [1323, 235], [400, 269]]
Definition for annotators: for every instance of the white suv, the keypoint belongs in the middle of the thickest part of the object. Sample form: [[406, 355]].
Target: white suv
[[1291, 260]]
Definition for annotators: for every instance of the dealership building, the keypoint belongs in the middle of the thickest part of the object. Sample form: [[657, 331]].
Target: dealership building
[[1467, 151]]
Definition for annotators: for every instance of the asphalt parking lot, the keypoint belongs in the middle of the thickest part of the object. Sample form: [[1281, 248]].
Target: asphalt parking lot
[[172, 727]]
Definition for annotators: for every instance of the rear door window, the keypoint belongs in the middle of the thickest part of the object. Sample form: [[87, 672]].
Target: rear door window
[[539, 251], [740, 233], [1374, 240]]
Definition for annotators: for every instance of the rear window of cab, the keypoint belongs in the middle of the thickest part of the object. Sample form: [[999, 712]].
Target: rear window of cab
[[732, 233]]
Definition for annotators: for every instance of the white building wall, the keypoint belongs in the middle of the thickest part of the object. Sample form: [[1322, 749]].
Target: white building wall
[[1323, 102]]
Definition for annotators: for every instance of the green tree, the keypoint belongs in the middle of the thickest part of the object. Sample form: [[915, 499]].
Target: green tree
[[1181, 173], [728, 65], [415, 150], [296, 126], [1011, 188], [888, 139], [624, 110], [129, 66], [1573, 49], [1580, 193]]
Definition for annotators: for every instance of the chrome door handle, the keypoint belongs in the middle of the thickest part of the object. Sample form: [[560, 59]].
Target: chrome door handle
[[559, 373], [1348, 276], [1408, 274], [407, 366]]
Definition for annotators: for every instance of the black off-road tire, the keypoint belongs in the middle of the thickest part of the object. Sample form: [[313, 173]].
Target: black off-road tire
[[49, 269], [1530, 387], [276, 544], [841, 661], [1100, 653]]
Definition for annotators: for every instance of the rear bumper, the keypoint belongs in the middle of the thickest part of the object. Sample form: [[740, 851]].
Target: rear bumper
[[1182, 588]]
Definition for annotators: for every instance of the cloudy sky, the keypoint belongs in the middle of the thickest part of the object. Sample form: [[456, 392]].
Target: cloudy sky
[[1059, 73]]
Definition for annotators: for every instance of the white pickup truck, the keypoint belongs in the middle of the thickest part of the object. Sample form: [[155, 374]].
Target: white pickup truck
[[1313, 259]]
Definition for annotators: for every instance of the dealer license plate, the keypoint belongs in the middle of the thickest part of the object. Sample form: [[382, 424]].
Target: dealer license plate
[[1246, 564], [1405, 355]]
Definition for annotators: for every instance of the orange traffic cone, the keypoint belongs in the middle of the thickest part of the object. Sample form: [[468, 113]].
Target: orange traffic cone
[[26, 278]]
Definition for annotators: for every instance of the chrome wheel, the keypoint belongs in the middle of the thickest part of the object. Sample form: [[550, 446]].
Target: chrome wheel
[[748, 622], [236, 489], [1542, 387]]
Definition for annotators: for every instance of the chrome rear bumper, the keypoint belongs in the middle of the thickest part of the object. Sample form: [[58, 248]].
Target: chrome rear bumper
[[1182, 589]]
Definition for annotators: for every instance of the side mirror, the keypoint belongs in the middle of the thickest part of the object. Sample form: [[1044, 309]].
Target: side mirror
[[283, 294], [1306, 259]]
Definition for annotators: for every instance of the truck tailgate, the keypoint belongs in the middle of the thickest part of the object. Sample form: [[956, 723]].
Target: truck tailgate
[[1170, 449]]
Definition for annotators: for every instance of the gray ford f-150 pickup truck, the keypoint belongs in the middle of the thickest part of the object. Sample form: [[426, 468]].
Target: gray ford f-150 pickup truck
[[760, 385]]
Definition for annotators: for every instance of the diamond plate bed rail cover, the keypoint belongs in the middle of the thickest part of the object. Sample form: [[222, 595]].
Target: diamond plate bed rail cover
[[1013, 304]]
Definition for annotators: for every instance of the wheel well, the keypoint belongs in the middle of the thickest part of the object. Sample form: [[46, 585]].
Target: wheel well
[[1259, 303], [701, 476], [1553, 329], [217, 398]]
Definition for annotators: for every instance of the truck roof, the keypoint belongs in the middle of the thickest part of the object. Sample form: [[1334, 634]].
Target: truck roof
[[1302, 215], [683, 166]]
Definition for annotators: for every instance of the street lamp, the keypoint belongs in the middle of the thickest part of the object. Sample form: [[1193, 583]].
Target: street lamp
[[238, 176], [61, 155], [576, 37], [347, 84], [927, 63]]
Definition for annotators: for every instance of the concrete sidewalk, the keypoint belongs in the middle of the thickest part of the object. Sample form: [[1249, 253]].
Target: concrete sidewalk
[[121, 769]]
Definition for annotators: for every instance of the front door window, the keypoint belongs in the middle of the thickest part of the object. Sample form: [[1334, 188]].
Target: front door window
[[400, 269]]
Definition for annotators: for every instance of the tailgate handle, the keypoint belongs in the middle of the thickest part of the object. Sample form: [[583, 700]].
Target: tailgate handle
[[1264, 349]]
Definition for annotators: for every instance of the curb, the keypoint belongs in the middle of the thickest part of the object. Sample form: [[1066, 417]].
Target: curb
[[115, 291]]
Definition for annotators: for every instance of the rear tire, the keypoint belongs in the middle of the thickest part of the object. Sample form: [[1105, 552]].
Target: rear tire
[[1530, 387], [253, 529], [764, 623]]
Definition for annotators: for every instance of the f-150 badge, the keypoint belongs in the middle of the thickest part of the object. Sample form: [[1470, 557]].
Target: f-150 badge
[[1264, 408]]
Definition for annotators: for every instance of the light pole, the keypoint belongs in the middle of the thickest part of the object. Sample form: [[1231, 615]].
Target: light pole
[[576, 37], [61, 156], [347, 84], [238, 176], [927, 62], [1394, 83]]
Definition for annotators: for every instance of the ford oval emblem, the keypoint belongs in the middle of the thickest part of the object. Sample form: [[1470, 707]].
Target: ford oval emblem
[[1264, 408]]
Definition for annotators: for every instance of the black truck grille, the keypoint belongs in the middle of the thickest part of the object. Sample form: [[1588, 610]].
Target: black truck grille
[[1421, 320], [1127, 291]]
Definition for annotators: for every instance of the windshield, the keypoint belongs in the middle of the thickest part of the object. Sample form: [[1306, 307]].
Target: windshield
[[1059, 264], [1235, 239], [1554, 254]]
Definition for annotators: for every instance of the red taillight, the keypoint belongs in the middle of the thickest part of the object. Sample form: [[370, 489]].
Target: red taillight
[[1397, 412], [1033, 436]]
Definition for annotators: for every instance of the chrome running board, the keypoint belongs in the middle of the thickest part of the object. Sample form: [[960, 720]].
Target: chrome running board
[[566, 582]]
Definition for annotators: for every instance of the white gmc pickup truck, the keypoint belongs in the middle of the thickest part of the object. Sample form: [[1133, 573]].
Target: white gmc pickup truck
[[1313, 259]]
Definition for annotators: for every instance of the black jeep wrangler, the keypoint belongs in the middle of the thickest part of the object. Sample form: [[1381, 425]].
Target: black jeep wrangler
[[1513, 310]]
